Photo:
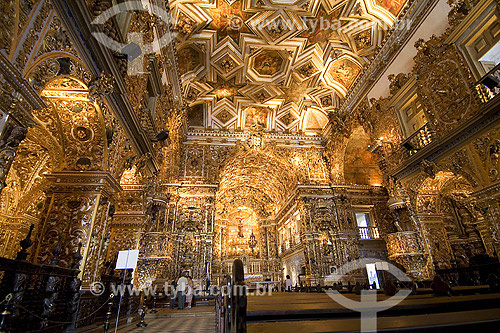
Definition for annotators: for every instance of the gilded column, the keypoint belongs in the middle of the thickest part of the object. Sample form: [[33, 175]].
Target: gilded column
[[310, 238], [488, 217], [75, 212], [153, 244]]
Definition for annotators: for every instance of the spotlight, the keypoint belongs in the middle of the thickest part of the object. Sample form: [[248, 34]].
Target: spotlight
[[162, 136]]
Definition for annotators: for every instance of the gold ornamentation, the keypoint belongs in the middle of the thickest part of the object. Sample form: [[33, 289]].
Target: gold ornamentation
[[443, 81], [7, 19], [406, 249], [12, 137], [429, 168], [101, 86], [363, 39]]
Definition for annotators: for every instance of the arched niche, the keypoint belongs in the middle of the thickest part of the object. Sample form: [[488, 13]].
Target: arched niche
[[360, 165]]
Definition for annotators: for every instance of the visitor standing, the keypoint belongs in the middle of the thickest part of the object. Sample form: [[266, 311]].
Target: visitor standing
[[173, 294], [288, 284], [440, 287], [189, 292], [182, 283]]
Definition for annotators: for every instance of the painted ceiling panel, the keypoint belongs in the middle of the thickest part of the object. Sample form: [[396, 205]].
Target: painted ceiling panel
[[288, 55]]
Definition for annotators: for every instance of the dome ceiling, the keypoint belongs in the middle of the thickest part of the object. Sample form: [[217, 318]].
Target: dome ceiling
[[292, 61], [263, 187]]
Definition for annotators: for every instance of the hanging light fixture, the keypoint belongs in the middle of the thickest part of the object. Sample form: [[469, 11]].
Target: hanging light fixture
[[252, 242]]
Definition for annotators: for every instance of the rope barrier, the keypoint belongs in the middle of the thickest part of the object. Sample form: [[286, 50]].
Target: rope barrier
[[65, 322]]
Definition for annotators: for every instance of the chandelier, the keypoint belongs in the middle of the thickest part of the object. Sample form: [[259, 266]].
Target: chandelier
[[252, 242]]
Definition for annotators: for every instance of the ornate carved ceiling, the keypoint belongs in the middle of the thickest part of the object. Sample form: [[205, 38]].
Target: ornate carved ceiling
[[283, 64]]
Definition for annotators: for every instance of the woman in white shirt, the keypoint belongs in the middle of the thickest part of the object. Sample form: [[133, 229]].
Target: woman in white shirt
[[288, 284], [181, 291]]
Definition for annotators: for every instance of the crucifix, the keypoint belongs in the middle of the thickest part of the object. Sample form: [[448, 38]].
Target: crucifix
[[240, 228]]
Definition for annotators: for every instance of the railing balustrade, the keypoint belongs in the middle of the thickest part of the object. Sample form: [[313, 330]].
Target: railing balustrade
[[421, 138], [48, 297], [368, 232], [489, 85], [44, 297]]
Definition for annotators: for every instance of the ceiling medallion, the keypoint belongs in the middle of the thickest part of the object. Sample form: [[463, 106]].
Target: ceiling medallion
[[256, 117], [224, 116], [268, 63], [287, 119]]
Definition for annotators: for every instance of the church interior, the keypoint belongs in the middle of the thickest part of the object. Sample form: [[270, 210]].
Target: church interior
[[301, 148]]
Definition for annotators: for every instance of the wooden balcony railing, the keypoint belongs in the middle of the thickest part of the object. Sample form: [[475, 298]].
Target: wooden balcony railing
[[48, 298], [421, 138], [489, 85], [38, 297], [369, 233]]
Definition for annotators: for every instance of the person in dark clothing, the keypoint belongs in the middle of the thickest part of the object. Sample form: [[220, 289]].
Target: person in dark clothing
[[390, 288], [440, 287], [173, 294], [494, 283], [357, 288], [414, 289]]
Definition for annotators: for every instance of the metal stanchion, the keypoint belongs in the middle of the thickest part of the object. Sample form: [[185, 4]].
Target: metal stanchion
[[109, 313], [153, 310], [142, 323], [5, 313]]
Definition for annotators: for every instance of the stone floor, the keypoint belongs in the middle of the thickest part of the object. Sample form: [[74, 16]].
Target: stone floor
[[200, 319]]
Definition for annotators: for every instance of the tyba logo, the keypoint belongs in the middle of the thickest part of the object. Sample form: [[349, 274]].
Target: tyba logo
[[368, 306], [136, 49]]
